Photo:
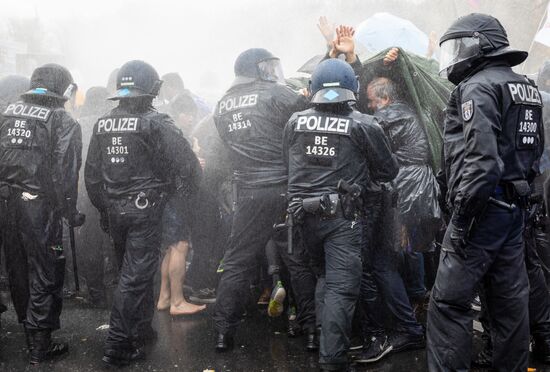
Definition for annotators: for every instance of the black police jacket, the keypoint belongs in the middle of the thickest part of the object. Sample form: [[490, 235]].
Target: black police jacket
[[250, 119], [321, 147], [493, 135], [130, 152], [40, 151]]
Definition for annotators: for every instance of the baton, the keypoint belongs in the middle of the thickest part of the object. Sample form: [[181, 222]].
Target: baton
[[290, 233], [73, 252], [75, 266]]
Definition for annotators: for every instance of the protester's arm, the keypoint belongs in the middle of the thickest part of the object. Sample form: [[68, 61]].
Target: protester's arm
[[176, 155]]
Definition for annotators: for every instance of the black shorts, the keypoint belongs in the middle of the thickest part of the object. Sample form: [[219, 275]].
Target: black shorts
[[174, 226]]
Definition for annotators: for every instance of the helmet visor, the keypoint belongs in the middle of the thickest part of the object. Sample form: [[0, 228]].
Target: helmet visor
[[454, 51], [271, 70]]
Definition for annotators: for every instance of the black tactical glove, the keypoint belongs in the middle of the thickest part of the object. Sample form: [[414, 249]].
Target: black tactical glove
[[459, 230], [76, 219], [104, 221], [296, 209]]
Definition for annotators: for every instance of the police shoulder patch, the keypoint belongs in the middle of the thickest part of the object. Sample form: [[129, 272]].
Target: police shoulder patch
[[468, 110]]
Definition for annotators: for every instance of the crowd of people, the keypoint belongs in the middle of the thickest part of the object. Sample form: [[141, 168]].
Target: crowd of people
[[353, 205]]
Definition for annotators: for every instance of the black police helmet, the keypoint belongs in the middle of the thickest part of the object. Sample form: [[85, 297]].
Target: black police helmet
[[137, 79], [51, 80], [472, 38], [333, 81], [246, 64]]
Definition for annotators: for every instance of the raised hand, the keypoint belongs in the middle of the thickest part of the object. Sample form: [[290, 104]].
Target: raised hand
[[391, 56], [344, 43], [327, 29]]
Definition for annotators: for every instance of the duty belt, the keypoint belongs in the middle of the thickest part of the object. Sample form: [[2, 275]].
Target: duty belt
[[7, 191], [143, 199], [514, 192]]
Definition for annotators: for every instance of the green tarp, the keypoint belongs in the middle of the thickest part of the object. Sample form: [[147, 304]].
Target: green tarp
[[420, 87]]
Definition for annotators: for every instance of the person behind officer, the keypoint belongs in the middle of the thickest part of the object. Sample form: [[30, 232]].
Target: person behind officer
[[40, 156], [95, 245], [322, 146], [250, 119], [137, 158], [381, 278], [493, 140]]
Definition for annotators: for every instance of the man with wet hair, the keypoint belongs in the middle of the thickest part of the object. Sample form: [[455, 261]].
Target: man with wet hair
[[410, 147]]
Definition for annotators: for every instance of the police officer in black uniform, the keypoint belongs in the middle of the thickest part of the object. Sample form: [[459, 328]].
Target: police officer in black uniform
[[329, 143], [136, 159], [493, 141], [40, 156], [250, 119]]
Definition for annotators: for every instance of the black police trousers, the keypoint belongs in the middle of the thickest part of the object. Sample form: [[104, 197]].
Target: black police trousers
[[302, 278], [136, 235], [32, 237], [495, 260], [539, 300], [334, 246], [256, 212]]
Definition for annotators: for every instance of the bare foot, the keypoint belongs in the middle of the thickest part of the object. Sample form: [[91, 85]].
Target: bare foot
[[163, 304], [185, 308]]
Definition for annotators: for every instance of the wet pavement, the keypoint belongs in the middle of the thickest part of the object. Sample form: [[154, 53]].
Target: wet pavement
[[184, 344]]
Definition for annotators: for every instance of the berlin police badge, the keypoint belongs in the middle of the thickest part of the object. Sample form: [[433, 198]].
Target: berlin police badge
[[467, 110]]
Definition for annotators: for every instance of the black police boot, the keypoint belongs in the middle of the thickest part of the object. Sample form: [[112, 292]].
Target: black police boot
[[43, 348], [541, 349], [484, 359], [120, 358], [312, 341], [224, 342]]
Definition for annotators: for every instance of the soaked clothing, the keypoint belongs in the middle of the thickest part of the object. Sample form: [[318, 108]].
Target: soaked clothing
[[493, 136], [137, 158], [40, 156], [321, 148], [417, 188], [495, 101], [250, 119]]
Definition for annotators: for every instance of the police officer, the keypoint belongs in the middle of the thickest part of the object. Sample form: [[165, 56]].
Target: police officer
[[250, 119], [329, 143], [40, 156], [136, 159], [493, 139]]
